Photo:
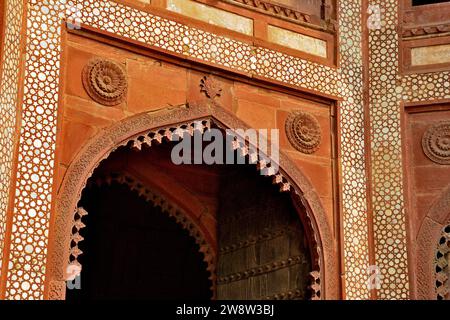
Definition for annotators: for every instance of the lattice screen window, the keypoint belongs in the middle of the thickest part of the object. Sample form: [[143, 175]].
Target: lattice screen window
[[443, 266]]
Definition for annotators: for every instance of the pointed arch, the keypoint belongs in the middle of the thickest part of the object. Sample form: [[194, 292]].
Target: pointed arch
[[156, 125]]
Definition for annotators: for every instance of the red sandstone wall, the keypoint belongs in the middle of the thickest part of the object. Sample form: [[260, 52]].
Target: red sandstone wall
[[154, 84], [426, 180]]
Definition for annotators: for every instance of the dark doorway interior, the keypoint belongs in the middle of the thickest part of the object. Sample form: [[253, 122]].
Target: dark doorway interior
[[132, 250], [259, 234], [424, 2]]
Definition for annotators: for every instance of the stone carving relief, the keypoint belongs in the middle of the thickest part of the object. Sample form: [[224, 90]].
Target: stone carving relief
[[75, 266], [436, 143], [413, 31], [442, 265], [210, 86], [315, 285], [105, 81], [303, 131], [283, 11], [276, 9]]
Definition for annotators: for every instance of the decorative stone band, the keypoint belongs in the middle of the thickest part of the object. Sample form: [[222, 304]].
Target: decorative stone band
[[415, 31], [442, 265], [274, 8], [281, 11], [436, 143], [270, 267], [157, 137]]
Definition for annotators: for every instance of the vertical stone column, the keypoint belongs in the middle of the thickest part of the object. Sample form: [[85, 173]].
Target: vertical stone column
[[9, 104], [31, 207], [389, 218], [355, 237]]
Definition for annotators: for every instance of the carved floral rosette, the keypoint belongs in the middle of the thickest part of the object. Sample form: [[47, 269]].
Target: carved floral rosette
[[210, 86], [303, 132], [105, 81], [436, 143]]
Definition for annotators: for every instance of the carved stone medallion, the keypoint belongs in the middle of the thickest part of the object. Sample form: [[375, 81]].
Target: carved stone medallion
[[210, 86], [436, 143], [105, 81], [303, 131]]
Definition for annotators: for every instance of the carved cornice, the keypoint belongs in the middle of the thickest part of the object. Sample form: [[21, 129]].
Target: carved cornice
[[284, 12], [274, 8], [429, 25], [409, 31]]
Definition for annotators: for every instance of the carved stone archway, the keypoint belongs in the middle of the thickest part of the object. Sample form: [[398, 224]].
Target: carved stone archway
[[157, 125], [427, 241]]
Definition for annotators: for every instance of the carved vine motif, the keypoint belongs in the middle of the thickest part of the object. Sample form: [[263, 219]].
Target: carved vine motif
[[303, 131], [442, 266], [210, 86], [105, 81], [436, 143]]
